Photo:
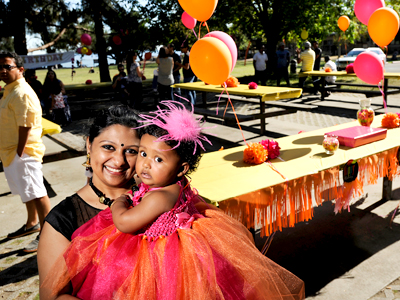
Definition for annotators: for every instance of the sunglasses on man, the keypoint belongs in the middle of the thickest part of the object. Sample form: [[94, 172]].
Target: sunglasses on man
[[7, 67]]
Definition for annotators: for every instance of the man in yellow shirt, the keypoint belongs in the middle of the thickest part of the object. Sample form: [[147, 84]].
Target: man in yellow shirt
[[307, 58], [21, 146]]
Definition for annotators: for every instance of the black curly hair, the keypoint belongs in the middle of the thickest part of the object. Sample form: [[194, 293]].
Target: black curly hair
[[114, 115], [184, 150]]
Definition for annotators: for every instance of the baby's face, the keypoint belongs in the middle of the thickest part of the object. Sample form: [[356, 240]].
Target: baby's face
[[157, 164]]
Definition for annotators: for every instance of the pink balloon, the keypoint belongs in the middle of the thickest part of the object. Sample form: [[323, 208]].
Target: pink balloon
[[86, 39], [368, 66], [222, 36], [188, 20], [365, 8]]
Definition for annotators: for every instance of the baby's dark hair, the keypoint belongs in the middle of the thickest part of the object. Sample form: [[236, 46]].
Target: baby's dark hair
[[184, 150], [114, 115]]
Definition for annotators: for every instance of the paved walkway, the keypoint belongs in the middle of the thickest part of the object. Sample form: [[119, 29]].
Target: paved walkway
[[18, 272]]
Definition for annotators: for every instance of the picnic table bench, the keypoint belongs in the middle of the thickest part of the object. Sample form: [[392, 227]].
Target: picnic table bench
[[337, 85], [262, 94]]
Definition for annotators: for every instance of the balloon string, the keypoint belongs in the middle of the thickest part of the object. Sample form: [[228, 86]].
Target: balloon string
[[194, 33], [276, 170], [394, 214], [144, 65], [201, 23], [186, 39], [233, 109], [383, 96], [219, 98], [208, 29], [267, 244]]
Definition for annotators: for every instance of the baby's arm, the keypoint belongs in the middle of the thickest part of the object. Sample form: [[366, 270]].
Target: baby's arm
[[150, 208]]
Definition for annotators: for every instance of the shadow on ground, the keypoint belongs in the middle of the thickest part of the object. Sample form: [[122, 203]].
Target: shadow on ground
[[330, 245]]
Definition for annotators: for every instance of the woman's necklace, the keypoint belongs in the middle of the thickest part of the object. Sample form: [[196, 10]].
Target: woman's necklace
[[103, 199]]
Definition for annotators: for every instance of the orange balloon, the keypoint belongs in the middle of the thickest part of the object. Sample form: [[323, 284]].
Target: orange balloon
[[211, 60], [343, 23], [383, 26], [201, 10]]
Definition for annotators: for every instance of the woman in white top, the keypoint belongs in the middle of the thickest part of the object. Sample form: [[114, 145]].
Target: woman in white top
[[165, 77]]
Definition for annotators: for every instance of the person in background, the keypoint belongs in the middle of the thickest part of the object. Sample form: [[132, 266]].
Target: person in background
[[165, 77], [53, 90], [188, 75], [135, 86], [36, 85], [282, 64], [307, 58], [119, 80], [21, 146], [260, 60], [91, 70], [155, 79], [318, 53], [328, 79], [317, 63], [177, 67]]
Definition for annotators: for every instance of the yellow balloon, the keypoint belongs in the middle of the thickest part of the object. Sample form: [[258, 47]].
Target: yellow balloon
[[304, 34], [383, 26], [201, 10], [84, 50], [343, 23], [211, 60]]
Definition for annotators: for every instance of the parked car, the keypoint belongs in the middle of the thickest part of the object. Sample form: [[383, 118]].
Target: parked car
[[342, 62]]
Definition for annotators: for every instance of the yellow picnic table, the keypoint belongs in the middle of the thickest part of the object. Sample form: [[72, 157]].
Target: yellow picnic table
[[263, 93], [323, 74], [243, 190], [49, 127]]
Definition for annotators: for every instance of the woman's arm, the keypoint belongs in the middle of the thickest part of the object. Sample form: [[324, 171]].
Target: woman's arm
[[138, 72], [53, 101], [51, 246], [150, 208], [158, 60], [62, 87]]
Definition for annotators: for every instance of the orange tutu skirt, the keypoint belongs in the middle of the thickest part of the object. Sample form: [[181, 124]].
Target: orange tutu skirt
[[214, 259]]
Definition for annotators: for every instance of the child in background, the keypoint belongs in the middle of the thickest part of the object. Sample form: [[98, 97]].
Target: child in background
[[156, 245]]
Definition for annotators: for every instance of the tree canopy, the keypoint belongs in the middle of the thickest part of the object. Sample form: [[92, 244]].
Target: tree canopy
[[119, 26]]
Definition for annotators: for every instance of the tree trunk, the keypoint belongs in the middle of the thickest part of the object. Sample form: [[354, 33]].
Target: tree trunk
[[18, 12], [101, 45]]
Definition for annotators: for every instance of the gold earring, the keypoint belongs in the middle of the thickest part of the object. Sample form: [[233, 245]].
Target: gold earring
[[86, 164]]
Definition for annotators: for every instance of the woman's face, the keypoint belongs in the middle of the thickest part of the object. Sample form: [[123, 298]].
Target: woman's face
[[51, 75], [113, 155]]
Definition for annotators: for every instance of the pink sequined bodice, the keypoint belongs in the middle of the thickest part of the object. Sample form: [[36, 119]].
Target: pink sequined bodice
[[181, 215]]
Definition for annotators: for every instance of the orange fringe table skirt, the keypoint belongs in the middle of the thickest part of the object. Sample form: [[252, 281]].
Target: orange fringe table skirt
[[286, 204]]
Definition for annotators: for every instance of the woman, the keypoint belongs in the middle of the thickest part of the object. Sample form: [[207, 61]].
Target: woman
[[165, 77], [134, 80], [53, 90], [112, 147]]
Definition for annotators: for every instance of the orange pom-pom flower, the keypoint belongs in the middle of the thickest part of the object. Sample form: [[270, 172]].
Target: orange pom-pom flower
[[390, 120], [232, 82], [327, 69], [255, 154]]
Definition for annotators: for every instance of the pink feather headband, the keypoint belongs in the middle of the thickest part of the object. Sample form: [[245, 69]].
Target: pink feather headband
[[179, 122]]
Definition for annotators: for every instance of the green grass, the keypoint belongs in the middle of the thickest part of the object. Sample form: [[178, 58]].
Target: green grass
[[243, 72]]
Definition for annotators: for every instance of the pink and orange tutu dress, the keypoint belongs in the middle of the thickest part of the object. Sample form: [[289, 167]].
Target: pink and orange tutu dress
[[181, 255]]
